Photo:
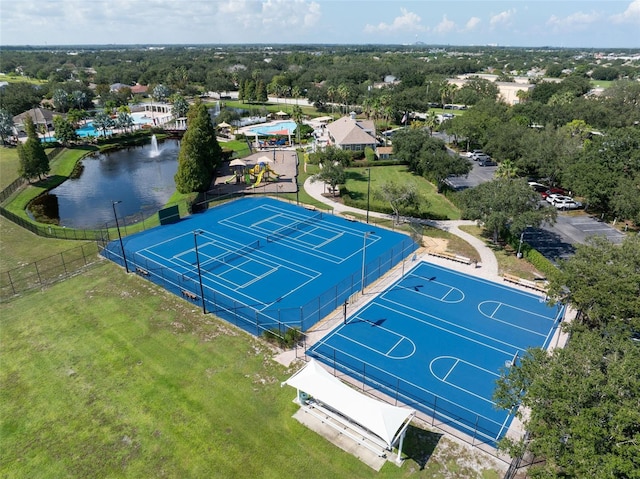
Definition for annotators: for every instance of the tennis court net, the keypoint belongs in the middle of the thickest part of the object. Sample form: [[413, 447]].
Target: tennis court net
[[226, 258], [290, 229]]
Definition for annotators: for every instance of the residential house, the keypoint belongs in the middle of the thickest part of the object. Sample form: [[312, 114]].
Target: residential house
[[350, 133]]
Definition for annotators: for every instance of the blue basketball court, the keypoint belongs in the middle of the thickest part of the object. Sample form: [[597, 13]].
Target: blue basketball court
[[437, 340], [264, 264]]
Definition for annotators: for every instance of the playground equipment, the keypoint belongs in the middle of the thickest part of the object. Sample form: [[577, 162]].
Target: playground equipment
[[261, 170], [238, 171]]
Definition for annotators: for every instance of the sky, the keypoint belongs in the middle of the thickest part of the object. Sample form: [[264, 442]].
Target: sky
[[527, 23]]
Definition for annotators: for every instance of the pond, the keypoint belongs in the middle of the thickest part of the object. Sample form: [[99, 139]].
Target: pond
[[141, 178]]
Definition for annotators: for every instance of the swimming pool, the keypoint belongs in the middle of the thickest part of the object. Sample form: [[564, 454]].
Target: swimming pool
[[280, 128], [87, 130]]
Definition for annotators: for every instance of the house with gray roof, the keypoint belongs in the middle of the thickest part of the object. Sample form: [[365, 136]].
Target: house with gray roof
[[350, 133]]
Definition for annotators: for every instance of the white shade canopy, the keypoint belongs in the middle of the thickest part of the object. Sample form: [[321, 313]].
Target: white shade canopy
[[382, 419], [237, 162]]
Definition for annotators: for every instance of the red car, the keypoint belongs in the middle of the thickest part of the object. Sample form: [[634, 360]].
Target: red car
[[554, 191]]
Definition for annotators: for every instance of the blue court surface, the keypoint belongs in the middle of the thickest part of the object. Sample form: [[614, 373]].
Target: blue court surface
[[437, 339], [264, 264]]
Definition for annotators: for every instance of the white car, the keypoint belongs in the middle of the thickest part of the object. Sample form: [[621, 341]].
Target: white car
[[552, 197], [566, 203]]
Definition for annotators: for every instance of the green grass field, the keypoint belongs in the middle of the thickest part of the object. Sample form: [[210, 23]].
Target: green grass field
[[9, 166], [106, 375], [435, 204]]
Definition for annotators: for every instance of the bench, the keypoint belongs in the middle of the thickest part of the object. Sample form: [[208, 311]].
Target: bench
[[310, 207], [142, 272], [450, 256], [524, 282], [350, 218], [189, 295]]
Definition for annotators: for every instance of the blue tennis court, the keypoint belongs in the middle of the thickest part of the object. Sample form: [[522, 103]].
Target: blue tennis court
[[264, 264], [437, 340]]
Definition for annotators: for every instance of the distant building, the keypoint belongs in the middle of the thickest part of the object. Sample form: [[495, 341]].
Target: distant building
[[138, 89], [384, 152]]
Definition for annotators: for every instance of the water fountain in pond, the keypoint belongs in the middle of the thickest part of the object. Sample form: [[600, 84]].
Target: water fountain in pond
[[155, 151]]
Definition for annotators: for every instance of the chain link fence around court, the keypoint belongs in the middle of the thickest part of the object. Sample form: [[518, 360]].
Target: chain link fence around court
[[48, 270], [251, 317]]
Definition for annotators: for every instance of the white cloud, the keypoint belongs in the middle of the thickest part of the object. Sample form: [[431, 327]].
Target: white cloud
[[502, 18], [445, 26], [406, 22], [630, 15], [575, 21], [472, 23]]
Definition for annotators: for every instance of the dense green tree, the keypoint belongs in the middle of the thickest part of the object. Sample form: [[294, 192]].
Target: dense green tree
[[61, 100], [64, 130], [161, 92], [505, 205], [400, 195], [332, 154], [602, 281], [331, 173], [596, 170], [179, 106], [428, 156], [476, 89], [103, 122], [581, 406], [200, 152], [6, 125], [19, 97], [33, 159]]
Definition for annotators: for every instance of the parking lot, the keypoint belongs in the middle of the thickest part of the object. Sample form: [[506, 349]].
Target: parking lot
[[553, 241]]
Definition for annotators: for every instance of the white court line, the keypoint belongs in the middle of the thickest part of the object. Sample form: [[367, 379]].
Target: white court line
[[444, 379], [181, 269], [451, 331], [493, 317], [312, 250], [454, 385], [441, 299], [387, 354]]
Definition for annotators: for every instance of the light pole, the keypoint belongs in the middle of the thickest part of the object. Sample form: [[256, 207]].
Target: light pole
[[195, 242], [368, 191], [124, 258], [364, 255], [519, 254]]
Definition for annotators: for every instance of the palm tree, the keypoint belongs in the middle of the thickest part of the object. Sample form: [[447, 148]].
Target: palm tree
[[296, 114], [124, 120], [331, 93], [506, 169], [344, 92], [431, 122]]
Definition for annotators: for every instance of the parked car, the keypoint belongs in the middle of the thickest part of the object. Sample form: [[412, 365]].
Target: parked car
[[485, 160], [554, 191], [475, 153], [565, 202], [539, 187]]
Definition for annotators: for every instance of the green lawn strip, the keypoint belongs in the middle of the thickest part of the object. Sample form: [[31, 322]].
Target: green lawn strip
[[508, 261], [437, 206], [9, 166], [107, 375]]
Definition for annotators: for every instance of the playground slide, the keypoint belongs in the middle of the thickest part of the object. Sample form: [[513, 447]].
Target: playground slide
[[259, 178]]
